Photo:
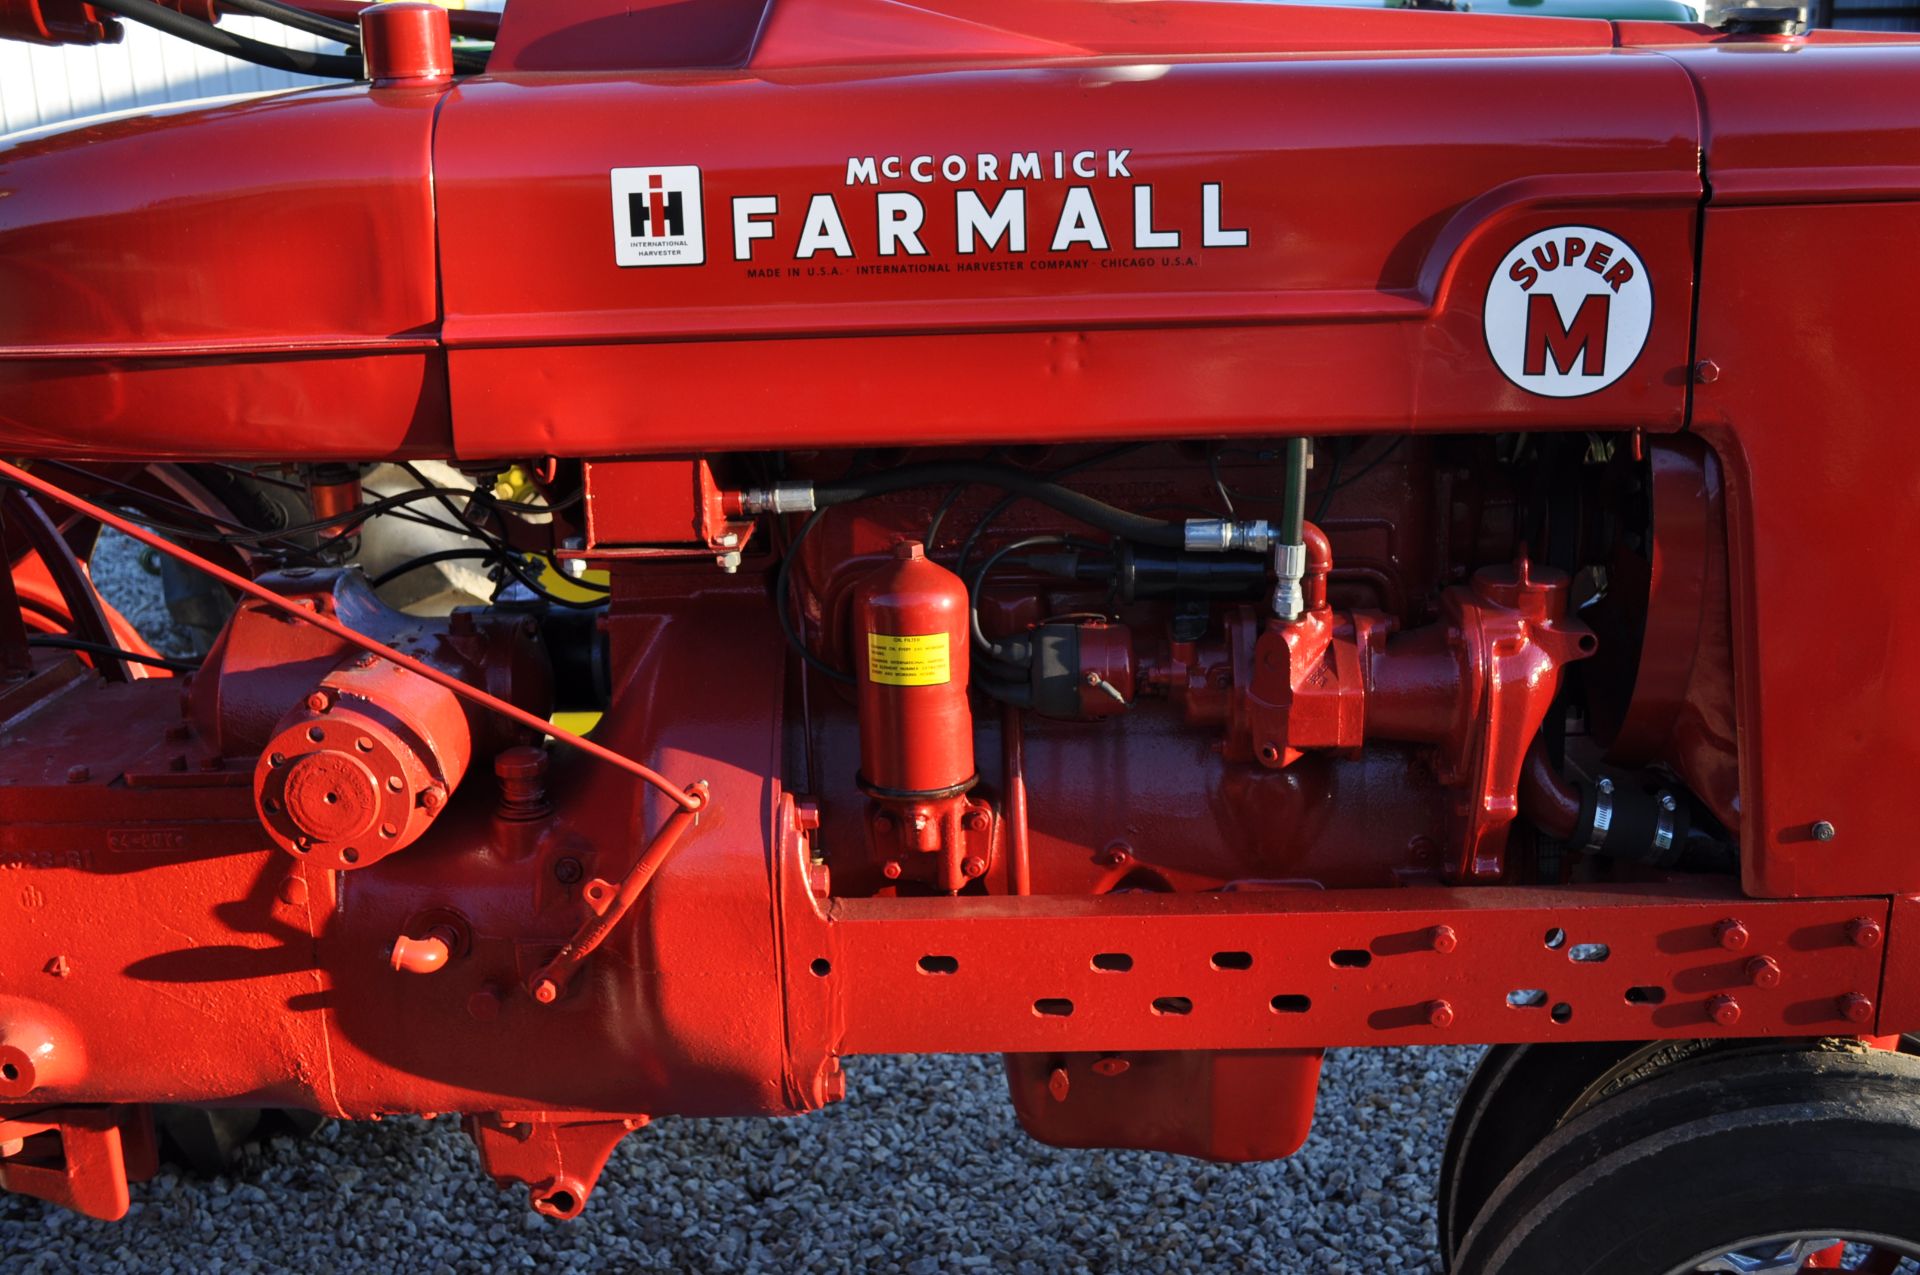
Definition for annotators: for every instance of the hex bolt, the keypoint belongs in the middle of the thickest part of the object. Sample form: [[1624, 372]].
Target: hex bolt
[[1443, 939], [1764, 972], [484, 1004], [1856, 1008], [319, 701], [973, 866], [1706, 372], [78, 774], [1058, 1083], [975, 821], [1111, 1067], [1732, 935], [566, 871], [1439, 1014], [1724, 1010], [1863, 931], [890, 869], [1823, 831], [433, 798], [546, 991]]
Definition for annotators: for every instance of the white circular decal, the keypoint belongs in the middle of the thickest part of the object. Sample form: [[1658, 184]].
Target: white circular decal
[[1568, 311]]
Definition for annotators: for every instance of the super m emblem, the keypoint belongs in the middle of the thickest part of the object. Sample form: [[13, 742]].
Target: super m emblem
[[1568, 311], [657, 217]]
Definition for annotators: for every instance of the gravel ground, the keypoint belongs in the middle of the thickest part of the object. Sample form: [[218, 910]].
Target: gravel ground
[[922, 1170]]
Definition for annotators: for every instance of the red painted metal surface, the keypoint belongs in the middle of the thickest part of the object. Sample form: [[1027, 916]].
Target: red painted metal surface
[[1785, 484], [1233, 841], [1357, 233]]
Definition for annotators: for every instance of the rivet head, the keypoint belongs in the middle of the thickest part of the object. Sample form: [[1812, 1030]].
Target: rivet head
[[1823, 831]]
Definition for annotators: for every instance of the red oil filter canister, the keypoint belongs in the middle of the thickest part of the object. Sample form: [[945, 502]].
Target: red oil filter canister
[[910, 633]]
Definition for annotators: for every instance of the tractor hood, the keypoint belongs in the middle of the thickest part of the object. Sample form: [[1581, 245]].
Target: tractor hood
[[852, 221]]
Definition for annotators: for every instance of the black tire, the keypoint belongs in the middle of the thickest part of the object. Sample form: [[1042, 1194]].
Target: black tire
[[1521, 1093], [1516, 1097], [1695, 1160]]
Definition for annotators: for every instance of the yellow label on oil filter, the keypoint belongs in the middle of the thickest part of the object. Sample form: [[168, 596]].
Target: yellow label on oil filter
[[908, 660]]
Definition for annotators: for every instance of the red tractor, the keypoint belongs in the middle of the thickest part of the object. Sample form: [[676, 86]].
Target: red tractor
[[1152, 539]]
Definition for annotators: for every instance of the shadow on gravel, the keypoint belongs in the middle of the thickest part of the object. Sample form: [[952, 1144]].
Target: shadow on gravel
[[923, 1170]]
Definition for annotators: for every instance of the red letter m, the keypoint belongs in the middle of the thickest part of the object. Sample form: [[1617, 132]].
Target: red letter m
[[1585, 338]]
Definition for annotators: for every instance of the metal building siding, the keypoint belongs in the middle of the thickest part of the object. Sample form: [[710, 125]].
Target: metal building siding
[[47, 85]]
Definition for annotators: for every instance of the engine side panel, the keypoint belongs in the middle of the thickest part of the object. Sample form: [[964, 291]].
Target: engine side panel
[[1375, 209]]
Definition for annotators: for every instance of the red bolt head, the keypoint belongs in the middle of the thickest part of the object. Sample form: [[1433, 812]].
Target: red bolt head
[[1724, 1010], [1706, 372], [883, 821], [819, 880], [78, 774], [1439, 1014], [973, 866], [1856, 1008], [484, 1004], [1732, 935], [546, 991], [319, 702], [975, 821], [1111, 1066], [1443, 938], [890, 869], [293, 892], [1863, 932], [1058, 1083], [433, 798], [1764, 972]]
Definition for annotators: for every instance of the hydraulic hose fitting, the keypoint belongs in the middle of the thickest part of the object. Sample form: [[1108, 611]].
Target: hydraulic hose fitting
[[1224, 535], [781, 498], [1289, 569]]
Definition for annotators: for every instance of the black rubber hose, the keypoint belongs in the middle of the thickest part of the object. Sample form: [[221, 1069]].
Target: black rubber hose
[[783, 604], [430, 559], [61, 642], [994, 650], [288, 15], [1082, 508], [207, 36]]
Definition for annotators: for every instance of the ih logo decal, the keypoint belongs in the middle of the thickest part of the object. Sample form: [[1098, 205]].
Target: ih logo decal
[[657, 217], [1568, 311]]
